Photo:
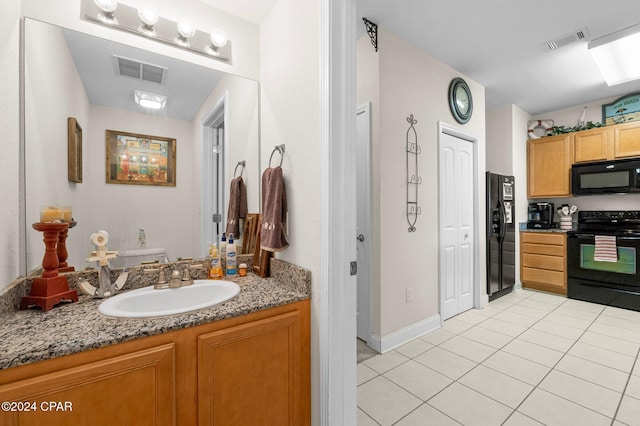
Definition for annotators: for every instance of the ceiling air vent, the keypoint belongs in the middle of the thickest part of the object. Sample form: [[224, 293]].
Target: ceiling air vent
[[139, 70], [556, 44]]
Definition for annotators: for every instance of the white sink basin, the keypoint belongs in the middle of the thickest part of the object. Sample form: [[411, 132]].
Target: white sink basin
[[148, 302]]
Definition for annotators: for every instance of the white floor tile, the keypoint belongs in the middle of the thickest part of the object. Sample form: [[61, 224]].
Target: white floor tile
[[365, 374], [550, 409], [364, 420], [470, 407], [445, 362], [385, 362], [548, 298], [622, 313], [456, 326], [471, 317], [584, 306], [414, 348], [385, 401], [438, 336], [611, 330], [547, 340], [603, 356], [572, 311], [568, 321], [501, 326], [427, 415], [469, 349], [633, 388], [539, 305], [519, 419], [534, 314], [611, 343], [517, 367], [488, 311], [505, 389], [596, 373], [516, 318], [487, 337], [636, 369], [503, 303], [536, 353], [557, 329], [629, 411], [597, 398], [421, 381]]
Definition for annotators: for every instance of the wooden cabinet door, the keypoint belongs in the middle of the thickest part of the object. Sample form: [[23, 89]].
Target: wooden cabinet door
[[132, 389], [251, 374], [593, 145], [627, 140], [549, 166]]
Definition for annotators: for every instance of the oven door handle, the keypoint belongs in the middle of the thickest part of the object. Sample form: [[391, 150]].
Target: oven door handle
[[592, 236]]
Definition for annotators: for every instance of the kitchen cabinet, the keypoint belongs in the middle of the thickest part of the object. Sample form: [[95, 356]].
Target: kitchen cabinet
[[549, 166], [593, 145], [543, 261], [236, 371], [627, 140]]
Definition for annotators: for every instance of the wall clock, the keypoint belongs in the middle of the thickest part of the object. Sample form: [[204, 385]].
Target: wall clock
[[460, 100]]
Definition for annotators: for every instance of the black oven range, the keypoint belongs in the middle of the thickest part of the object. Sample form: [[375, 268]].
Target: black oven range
[[603, 256]]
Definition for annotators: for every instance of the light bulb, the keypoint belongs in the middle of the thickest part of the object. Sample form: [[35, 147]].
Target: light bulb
[[218, 38], [148, 16], [186, 29], [107, 5]]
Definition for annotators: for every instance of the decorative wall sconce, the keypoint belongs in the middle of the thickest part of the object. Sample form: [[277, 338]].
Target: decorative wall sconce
[[146, 22]]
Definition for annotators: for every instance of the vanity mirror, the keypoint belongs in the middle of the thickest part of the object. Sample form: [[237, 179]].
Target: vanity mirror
[[213, 116]]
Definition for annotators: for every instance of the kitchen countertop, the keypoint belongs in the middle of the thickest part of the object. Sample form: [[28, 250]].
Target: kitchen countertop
[[557, 230], [32, 335]]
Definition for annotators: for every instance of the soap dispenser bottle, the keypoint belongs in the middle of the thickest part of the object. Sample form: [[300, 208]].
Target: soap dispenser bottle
[[215, 272], [223, 246], [231, 257]]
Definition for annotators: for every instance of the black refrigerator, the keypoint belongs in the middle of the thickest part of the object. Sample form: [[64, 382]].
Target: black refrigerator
[[501, 235]]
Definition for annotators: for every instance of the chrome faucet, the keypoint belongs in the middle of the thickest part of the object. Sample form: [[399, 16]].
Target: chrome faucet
[[177, 279]]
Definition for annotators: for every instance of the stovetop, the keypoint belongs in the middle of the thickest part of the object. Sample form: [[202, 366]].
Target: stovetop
[[609, 222]]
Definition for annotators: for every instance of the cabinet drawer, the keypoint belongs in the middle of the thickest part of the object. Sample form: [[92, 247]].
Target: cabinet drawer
[[543, 262], [543, 276], [543, 249], [542, 238]]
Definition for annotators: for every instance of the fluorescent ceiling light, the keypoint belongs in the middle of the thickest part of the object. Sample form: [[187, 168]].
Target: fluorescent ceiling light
[[617, 55], [149, 100]]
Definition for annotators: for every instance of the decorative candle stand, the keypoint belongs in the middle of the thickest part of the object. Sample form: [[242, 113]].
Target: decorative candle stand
[[61, 250], [51, 288]]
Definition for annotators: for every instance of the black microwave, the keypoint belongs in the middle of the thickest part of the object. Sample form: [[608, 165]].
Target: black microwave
[[606, 177]]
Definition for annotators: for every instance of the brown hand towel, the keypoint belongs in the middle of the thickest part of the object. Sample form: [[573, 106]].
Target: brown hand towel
[[274, 210], [237, 206]]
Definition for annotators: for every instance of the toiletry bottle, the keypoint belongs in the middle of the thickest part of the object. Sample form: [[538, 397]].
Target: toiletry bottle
[[223, 246], [215, 272], [231, 257]]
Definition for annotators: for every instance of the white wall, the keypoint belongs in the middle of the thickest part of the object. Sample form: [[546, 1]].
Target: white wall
[[9, 148], [411, 82], [289, 114], [47, 107], [500, 141]]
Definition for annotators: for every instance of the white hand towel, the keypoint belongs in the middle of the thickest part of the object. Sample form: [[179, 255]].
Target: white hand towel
[[606, 249]]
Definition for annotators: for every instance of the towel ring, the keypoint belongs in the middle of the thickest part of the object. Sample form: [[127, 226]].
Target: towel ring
[[240, 163], [280, 149]]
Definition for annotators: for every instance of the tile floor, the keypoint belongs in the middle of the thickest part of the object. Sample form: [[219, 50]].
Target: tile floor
[[527, 358]]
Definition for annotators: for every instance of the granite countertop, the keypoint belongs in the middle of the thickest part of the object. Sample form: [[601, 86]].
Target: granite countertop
[[557, 230], [32, 335]]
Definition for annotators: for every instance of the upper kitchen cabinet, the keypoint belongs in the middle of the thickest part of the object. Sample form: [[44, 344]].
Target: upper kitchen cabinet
[[593, 145], [627, 140], [607, 143], [549, 166]]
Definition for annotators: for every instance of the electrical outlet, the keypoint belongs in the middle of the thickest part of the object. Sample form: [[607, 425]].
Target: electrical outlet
[[409, 294]]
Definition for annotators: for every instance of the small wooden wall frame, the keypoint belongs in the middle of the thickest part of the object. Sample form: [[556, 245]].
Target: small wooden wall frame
[[74, 150], [261, 257]]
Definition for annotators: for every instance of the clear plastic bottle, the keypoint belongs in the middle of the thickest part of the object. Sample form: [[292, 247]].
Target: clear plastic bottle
[[231, 257], [215, 272], [223, 246]]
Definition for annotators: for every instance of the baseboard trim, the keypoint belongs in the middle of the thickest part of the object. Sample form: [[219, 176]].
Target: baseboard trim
[[404, 335]]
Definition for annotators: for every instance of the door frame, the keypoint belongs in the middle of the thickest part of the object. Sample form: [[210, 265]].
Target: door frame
[[444, 128], [218, 113], [365, 229]]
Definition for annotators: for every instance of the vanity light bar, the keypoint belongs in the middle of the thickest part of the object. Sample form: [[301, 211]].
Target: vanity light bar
[[126, 18]]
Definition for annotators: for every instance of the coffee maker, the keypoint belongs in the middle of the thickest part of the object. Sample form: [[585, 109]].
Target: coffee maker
[[540, 216]]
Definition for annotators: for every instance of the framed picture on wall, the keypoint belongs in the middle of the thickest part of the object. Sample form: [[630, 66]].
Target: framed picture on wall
[[74, 150], [135, 159], [622, 110]]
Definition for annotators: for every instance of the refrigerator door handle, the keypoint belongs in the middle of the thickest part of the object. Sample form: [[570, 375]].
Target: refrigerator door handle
[[502, 214]]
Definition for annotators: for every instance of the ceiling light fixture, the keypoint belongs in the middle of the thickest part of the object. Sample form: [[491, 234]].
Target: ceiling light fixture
[[149, 18], [617, 55], [150, 100], [107, 7], [218, 40]]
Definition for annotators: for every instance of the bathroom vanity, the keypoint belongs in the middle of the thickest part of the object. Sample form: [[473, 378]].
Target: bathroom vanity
[[245, 361]]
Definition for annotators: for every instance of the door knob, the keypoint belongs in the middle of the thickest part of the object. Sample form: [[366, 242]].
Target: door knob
[[360, 237], [466, 236]]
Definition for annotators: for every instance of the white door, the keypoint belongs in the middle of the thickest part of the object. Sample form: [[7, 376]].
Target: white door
[[363, 229], [456, 185]]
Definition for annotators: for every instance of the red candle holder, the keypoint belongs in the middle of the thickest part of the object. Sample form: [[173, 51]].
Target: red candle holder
[[61, 250], [51, 288]]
